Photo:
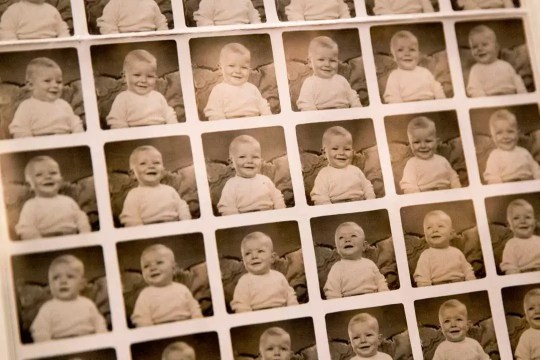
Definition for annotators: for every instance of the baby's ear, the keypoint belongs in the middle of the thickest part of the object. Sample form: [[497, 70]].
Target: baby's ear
[[83, 284], [132, 174], [274, 257]]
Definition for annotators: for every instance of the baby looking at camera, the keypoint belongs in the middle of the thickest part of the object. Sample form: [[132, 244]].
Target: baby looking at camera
[[340, 181], [122, 16], [522, 252], [508, 162], [216, 12], [409, 82], [300, 10], [32, 19], [325, 89], [441, 263], [385, 7], [353, 274], [235, 97], [151, 202], [48, 213], [44, 113], [248, 190], [490, 75], [454, 322], [528, 347], [140, 104], [261, 287], [426, 170], [485, 4], [275, 344], [67, 314], [365, 337], [178, 350], [163, 300]]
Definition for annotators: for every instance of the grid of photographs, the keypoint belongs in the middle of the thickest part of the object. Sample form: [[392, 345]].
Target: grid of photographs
[[277, 179]]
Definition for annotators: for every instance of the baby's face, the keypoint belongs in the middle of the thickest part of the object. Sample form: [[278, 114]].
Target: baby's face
[[505, 134], [406, 53], [484, 47], [65, 282], [157, 268], [339, 151], [532, 311], [423, 142], [454, 324], [148, 167], [45, 178], [522, 222], [275, 348], [364, 338], [246, 158], [350, 242], [257, 256], [140, 77], [438, 231], [235, 68], [324, 62], [46, 84]]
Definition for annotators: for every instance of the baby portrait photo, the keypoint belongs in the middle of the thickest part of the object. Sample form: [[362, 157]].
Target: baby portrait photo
[[41, 93], [234, 76], [394, 7], [378, 333], [325, 69], [514, 226], [105, 354], [505, 142], [262, 266], [164, 279], [355, 254], [35, 19], [137, 84], [230, 12], [340, 161], [248, 170], [309, 10], [484, 4], [411, 62], [442, 242], [61, 294], [49, 193], [457, 326], [278, 340], [151, 181], [202, 346], [127, 16], [494, 57], [522, 312], [426, 152]]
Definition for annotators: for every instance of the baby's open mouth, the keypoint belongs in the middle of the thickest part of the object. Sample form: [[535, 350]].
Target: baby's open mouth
[[348, 246]]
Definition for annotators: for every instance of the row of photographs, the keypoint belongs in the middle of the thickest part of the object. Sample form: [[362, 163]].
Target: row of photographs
[[234, 77], [41, 19]]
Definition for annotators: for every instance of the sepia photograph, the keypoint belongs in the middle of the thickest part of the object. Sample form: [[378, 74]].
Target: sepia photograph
[[309, 10], [262, 266], [484, 4], [151, 181], [231, 12], [202, 346], [105, 354], [355, 254], [395, 7]]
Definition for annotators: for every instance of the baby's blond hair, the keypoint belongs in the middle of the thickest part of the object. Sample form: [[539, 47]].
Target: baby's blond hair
[[502, 115], [178, 346], [137, 151], [139, 55], [482, 29], [530, 294], [517, 203], [273, 332], [30, 164], [335, 131], [452, 304], [258, 235], [72, 261], [401, 35], [160, 248], [234, 48], [37, 64], [324, 42], [420, 122], [438, 213], [352, 224], [363, 318], [241, 140]]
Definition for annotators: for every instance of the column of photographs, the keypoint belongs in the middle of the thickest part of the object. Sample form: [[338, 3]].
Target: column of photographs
[[363, 188]]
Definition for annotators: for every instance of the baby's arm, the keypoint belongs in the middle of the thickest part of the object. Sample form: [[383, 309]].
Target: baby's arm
[[422, 273], [142, 315], [367, 186], [469, 4], [508, 4], [204, 16], [352, 96], [454, 177], [168, 112], [509, 263], [427, 7], [380, 280], [408, 182], [159, 19], [306, 98], [227, 201], [130, 215], [61, 27], [182, 208], [100, 325], [9, 23], [117, 117], [535, 167], [75, 122], [295, 10], [26, 226], [21, 126], [524, 349], [474, 85], [519, 84], [264, 107], [392, 94], [319, 194], [108, 22], [40, 328], [83, 224], [214, 109], [467, 269], [277, 196], [437, 89], [241, 301], [254, 16], [193, 305], [344, 12], [492, 174], [332, 287], [382, 7], [289, 293]]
